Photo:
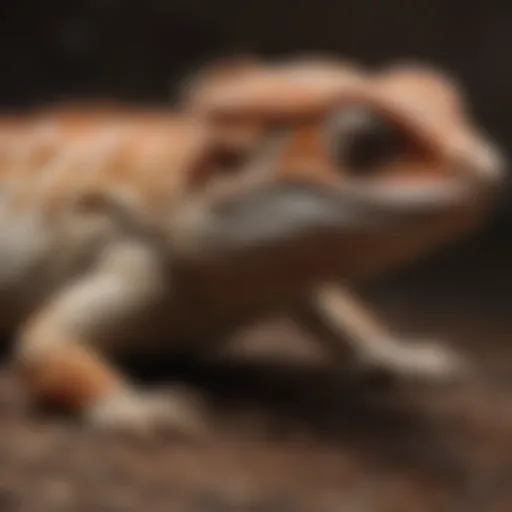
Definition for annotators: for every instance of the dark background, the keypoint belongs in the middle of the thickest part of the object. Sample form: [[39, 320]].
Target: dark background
[[407, 449]]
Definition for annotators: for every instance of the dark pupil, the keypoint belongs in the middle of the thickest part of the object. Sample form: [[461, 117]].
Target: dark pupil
[[364, 141]]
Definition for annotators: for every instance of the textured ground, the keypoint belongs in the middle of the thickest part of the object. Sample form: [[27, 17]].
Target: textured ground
[[293, 437]]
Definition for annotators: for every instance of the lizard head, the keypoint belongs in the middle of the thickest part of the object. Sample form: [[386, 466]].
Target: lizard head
[[359, 170]]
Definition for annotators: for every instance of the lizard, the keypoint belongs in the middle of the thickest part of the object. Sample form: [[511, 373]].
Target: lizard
[[126, 228]]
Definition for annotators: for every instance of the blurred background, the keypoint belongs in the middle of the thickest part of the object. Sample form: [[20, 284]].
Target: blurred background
[[365, 450]]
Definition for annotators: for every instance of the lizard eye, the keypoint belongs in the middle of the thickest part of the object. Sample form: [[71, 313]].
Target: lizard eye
[[361, 141]]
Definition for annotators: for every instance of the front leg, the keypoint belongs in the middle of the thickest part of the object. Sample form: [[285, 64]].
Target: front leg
[[332, 312], [61, 349]]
